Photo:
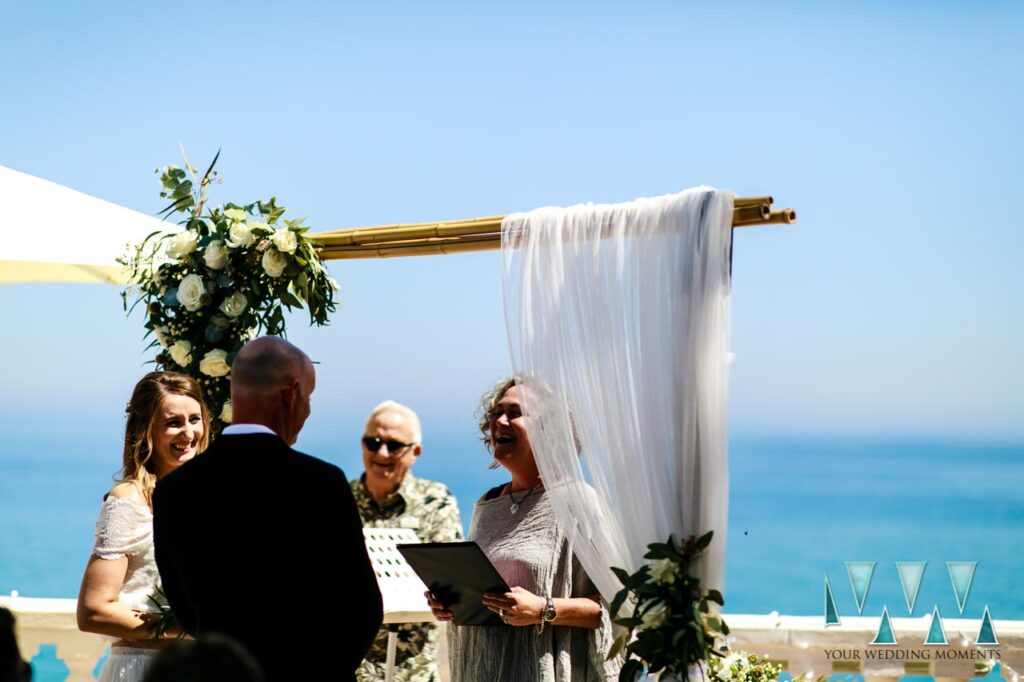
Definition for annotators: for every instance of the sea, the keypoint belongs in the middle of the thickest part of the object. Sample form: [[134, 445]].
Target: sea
[[800, 508]]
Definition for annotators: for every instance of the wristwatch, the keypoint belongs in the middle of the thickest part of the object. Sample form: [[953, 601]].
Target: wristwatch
[[549, 614]]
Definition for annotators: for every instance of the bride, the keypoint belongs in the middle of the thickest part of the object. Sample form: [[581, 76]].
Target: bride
[[167, 425]]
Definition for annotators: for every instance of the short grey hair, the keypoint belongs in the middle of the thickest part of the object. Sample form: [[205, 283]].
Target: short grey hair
[[405, 411]]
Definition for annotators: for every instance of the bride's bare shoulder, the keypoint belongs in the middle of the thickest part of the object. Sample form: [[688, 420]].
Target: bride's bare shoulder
[[127, 490]]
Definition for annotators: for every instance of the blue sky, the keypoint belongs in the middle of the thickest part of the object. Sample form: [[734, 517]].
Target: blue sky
[[893, 307]]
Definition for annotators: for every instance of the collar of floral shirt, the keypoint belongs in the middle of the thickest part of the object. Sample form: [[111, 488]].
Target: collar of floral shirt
[[401, 494]]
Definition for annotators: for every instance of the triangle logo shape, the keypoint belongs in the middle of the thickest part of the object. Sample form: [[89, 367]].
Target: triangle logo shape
[[885, 635], [831, 612], [860, 573], [911, 573], [936, 635], [986, 633], [961, 573]]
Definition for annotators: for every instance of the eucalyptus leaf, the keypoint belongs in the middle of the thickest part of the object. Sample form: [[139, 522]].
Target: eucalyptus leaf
[[618, 646], [212, 164], [621, 574]]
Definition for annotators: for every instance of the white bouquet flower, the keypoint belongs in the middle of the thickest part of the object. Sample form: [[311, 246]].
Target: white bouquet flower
[[181, 244], [215, 255], [285, 240], [235, 304], [215, 363], [274, 262], [191, 291], [240, 236], [181, 352]]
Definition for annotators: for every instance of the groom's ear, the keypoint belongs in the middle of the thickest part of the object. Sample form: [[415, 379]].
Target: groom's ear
[[289, 393]]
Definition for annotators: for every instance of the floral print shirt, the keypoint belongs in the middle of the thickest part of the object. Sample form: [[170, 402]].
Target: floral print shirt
[[431, 510]]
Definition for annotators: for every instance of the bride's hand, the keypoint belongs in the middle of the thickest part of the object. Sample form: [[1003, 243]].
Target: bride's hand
[[150, 621]]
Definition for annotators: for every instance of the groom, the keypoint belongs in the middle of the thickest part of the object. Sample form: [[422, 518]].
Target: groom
[[263, 543]]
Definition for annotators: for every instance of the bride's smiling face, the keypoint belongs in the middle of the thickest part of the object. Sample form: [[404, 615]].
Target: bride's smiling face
[[177, 433]]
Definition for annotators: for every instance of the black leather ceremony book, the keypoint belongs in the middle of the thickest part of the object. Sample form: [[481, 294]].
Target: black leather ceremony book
[[458, 574]]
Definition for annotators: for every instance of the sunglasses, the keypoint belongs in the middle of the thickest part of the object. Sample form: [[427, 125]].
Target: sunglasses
[[372, 443]]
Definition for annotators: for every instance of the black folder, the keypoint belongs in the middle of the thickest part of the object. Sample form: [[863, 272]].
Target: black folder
[[458, 574]]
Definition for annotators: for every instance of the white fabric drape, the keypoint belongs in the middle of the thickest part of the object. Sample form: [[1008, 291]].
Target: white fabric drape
[[619, 316]]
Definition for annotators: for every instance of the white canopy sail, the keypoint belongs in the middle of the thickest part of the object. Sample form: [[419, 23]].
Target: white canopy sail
[[55, 234]]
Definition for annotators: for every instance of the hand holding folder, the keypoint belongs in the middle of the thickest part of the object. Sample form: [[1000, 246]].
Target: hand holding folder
[[457, 574]]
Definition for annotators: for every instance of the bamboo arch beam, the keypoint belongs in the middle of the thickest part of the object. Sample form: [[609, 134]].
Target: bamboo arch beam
[[481, 234]]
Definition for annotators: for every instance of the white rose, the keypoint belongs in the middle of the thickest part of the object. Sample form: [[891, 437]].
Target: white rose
[[274, 262], [215, 363], [225, 413], [285, 240], [161, 336], [258, 225], [240, 236], [215, 255], [654, 617], [235, 214], [190, 292], [181, 353], [664, 571], [235, 304], [181, 244]]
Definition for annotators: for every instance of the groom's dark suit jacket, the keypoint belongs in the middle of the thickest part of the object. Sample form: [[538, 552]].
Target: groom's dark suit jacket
[[264, 544]]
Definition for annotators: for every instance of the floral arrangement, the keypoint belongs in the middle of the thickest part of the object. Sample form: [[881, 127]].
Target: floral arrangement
[[740, 666], [672, 620], [223, 279]]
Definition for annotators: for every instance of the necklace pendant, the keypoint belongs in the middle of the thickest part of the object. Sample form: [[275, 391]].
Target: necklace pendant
[[514, 508]]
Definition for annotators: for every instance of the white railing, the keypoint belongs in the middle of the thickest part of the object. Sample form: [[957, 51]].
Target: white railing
[[801, 643]]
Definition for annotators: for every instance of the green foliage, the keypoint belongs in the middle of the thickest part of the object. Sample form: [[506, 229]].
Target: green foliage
[[224, 278], [670, 624], [165, 619]]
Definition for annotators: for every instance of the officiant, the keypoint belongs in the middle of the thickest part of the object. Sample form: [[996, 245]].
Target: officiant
[[389, 496]]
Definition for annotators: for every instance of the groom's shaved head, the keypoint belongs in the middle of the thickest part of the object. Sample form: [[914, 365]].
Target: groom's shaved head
[[266, 363], [271, 381]]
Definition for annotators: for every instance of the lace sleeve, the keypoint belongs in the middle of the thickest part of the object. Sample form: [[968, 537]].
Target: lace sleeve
[[124, 527]]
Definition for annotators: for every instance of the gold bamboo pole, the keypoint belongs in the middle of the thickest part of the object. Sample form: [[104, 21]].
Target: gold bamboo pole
[[406, 231], [753, 201], [481, 234], [413, 248]]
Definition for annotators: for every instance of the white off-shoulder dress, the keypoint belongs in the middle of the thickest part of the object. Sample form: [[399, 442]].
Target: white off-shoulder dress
[[125, 529]]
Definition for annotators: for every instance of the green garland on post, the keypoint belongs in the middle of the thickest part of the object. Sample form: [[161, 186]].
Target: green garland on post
[[674, 625], [224, 278]]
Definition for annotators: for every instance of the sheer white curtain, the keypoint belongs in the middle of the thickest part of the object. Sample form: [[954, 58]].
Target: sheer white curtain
[[620, 315]]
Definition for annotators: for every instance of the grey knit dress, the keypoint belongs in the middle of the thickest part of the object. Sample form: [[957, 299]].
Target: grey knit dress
[[530, 550]]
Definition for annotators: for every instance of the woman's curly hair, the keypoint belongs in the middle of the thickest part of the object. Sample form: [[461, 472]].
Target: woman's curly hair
[[489, 403]]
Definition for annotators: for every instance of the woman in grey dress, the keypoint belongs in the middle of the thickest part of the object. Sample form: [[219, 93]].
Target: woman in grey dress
[[556, 626]]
